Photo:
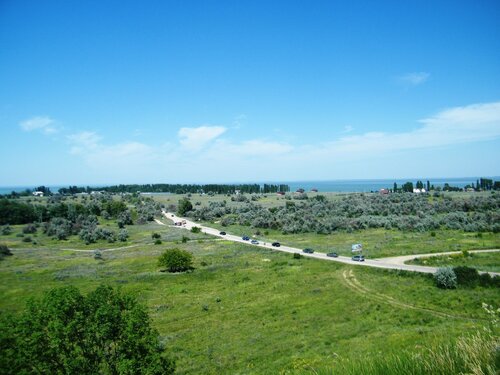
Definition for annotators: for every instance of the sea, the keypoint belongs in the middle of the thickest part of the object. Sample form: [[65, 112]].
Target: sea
[[341, 186]]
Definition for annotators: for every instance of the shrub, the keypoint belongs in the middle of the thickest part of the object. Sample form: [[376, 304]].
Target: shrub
[[4, 251], [195, 230], [6, 230], [445, 278], [27, 239], [155, 236], [157, 242], [466, 276], [297, 256], [29, 229], [176, 260], [123, 235], [485, 280], [185, 239]]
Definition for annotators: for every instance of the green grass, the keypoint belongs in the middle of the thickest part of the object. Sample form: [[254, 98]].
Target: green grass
[[247, 310], [377, 243], [481, 261]]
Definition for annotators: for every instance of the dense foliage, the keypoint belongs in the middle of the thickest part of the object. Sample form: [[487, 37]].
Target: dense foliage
[[403, 211], [4, 251], [176, 260], [181, 188], [445, 278], [65, 332]]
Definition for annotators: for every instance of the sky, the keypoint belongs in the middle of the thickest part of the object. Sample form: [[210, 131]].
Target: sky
[[107, 92]]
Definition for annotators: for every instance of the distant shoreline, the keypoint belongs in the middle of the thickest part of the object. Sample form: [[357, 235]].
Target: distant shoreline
[[333, 186]]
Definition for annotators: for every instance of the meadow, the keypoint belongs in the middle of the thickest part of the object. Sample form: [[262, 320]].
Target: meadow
[[482, 261], [248, 310]]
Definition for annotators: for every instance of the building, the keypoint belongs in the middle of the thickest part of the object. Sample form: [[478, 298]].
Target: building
[[38, 193]]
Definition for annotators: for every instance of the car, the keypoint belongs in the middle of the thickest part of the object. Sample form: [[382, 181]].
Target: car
[[222, 233], [308, 251], [276, 244], [245, 238], [254, 242], [358, 258], [333, 255]]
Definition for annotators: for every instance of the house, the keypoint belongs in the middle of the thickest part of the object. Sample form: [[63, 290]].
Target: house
[[300, 190], [314, 190], [280, 193], [38, 193], [384, 191], [418, 191]]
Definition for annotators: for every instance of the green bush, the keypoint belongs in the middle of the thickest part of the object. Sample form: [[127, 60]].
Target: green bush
[[4, 251], [195, 230], [466, 276], [297, 256], [65, 332], [445, 278], [155, 236], [485, 280], [29, 229], [6, 230], [158, 242], [176, 260]]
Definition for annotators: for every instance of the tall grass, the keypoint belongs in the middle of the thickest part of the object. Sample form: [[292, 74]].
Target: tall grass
[[477, 354]]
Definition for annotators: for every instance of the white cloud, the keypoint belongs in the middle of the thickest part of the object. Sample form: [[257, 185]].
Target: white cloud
[[414, 79], [42, 123], [98, 155], [348, 156], [477, 122], [194, 139]]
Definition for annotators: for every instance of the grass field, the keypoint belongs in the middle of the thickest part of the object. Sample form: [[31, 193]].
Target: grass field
[[247, 310], [377, 243], [481, 261]]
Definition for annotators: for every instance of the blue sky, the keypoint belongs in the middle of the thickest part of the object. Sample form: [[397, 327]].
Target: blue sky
[[104, 92]]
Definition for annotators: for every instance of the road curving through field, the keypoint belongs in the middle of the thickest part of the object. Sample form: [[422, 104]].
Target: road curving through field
[[395, 263]]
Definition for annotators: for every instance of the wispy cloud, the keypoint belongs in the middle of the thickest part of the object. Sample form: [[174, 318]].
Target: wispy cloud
[[414, 79], [97, 154], [347, 129], [41, 123], [200, 154], [194, 139]]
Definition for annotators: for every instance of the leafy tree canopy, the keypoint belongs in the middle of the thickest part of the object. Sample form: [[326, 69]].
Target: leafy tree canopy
[[66, 332]]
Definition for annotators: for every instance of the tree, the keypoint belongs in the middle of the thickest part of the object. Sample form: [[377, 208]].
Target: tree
[[176, 260], [64, 332], [428, 186], [184, 206], [408, 187]]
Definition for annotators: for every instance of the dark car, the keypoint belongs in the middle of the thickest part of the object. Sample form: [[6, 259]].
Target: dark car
[[308, 251], [245, 238], [333, 255], [358, 258], [276, 244], [222, 233]]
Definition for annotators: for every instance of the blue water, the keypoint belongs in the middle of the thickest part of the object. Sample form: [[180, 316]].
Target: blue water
[[375, 185], [333, 185]]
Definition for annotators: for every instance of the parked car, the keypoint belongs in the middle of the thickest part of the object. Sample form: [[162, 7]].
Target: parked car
[[308, 251], [276, 244], [333, 255], [222, 233], [245, 238], [254, 242], [358, 258]]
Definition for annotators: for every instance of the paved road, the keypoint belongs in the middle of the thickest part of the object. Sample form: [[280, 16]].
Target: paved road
[[395, 263]]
